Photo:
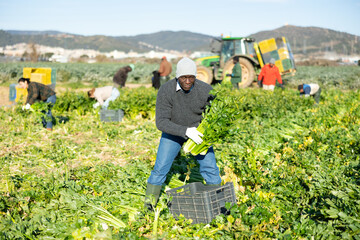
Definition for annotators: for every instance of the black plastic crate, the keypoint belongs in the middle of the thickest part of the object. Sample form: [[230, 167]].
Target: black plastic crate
[[111, 115], [199, 202]]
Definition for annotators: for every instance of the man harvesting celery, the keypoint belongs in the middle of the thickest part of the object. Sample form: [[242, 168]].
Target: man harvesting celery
[[179, 107]]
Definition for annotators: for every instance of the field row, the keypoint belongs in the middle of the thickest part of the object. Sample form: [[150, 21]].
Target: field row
[[342, 77], [295, 167]]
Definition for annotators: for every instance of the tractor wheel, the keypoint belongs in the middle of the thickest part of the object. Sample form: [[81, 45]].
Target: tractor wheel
[[204, 74], [247, 71]]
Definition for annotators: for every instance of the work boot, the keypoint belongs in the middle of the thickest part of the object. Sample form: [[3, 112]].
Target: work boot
[[152, 196]]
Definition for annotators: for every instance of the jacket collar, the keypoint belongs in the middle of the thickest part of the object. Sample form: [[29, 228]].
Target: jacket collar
[[178, 87]]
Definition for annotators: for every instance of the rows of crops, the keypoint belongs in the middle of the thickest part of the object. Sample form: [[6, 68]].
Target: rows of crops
[[98, 73], [342, 77], [295, 167]]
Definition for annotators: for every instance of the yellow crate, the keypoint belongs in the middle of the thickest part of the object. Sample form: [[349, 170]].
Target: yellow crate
[[267, 45], [41, 75], [278, 63], [38, 77], [283, 53], [21, 94]]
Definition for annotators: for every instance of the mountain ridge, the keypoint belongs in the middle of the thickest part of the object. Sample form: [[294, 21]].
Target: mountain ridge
[[303, 40]]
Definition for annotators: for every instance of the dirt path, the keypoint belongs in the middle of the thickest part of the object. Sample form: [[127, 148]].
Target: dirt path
[[4, 92], [4, 96]]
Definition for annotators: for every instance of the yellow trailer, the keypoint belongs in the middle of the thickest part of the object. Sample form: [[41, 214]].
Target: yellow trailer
[[252, 57], [278, 49]]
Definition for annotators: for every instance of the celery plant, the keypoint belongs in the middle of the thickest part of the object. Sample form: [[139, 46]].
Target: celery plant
[[217, 119]]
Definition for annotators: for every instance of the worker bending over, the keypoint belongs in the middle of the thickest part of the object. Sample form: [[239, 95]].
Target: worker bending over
[[104, 96]]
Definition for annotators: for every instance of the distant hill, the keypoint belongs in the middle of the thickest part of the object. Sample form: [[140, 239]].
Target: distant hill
[[303, 40], [179, 41], [16, 32], [71, 41]]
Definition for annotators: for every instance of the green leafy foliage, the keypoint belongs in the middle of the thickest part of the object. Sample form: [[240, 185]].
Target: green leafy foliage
[[135, 102], [71, 101], [138, 101], [294, 164], [218, 119], [341, 77], [80, 73]]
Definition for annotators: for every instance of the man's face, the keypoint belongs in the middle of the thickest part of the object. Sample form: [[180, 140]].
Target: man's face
[[23, 85], [186, 82], [271, 64]]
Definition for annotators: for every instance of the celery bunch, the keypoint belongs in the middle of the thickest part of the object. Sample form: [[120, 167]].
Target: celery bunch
[[217, 119]]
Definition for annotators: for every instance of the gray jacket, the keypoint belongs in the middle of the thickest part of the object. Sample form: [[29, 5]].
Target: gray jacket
[[178, 110]]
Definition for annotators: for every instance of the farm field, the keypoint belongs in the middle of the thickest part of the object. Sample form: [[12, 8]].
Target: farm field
[[74, 75], [295, 165]]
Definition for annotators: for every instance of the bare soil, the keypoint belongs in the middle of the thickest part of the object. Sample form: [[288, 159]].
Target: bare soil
[[4, 96], [318, 62]]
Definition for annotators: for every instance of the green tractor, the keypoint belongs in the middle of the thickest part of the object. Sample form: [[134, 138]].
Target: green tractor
[[252, 57]]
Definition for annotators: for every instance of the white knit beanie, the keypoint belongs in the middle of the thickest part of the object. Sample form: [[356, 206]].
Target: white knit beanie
[[185, 66]]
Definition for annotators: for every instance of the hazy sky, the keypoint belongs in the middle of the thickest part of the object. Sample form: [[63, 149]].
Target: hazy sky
[[211, 17]]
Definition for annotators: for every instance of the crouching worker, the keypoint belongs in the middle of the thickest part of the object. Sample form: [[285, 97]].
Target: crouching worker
[[179, 106], [311, 89], [39, 92], [104, 96]]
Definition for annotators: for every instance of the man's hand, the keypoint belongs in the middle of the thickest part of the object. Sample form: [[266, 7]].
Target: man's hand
[[95, 105], [26, 107], [194, 135]]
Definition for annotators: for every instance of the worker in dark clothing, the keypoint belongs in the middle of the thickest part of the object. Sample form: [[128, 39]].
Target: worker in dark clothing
[[179, 106], [121, 75], [311, 89], [156, 79], [236, 73], [39, 92]]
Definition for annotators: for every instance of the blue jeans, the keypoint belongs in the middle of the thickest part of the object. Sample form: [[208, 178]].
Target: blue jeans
[[48, 122], [169, 147], [114, 95]]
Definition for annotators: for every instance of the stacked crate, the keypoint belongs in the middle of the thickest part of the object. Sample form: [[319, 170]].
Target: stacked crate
[[280, 51]]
